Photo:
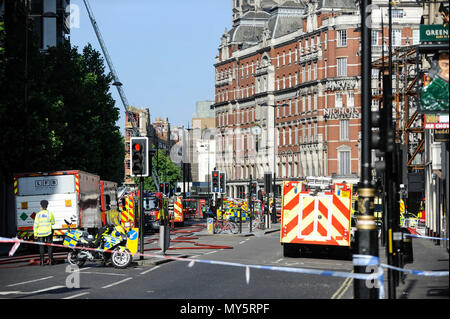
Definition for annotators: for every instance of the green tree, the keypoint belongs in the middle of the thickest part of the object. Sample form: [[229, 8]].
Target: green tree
[[168, 171], [56, 111]]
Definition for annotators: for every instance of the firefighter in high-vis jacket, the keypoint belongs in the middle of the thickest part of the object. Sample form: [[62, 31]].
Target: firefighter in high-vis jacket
[[43, 231]]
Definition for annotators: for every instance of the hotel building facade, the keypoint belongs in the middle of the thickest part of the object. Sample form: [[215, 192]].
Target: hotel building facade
[[288, 88]]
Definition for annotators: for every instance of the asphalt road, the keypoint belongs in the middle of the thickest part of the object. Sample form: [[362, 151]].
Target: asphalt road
[[177, 280]]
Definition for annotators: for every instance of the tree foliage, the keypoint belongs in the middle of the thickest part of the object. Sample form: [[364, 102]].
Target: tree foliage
[[168, 171], [56, 111]]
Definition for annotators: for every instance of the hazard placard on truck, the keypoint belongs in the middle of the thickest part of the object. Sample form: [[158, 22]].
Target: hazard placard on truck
[[72, 196], [314, 218]]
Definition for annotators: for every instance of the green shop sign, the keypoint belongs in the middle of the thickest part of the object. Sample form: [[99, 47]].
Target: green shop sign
[[433, 33]]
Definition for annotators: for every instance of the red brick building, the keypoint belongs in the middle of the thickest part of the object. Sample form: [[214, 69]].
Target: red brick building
[[292, 70]]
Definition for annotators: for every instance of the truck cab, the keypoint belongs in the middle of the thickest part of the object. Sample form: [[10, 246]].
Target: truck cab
[[152, 207]]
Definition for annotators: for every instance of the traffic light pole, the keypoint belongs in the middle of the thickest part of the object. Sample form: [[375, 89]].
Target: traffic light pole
[[141, 217], [366, 237]]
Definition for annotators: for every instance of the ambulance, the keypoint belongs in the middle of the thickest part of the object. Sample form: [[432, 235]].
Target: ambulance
[[315, 218]]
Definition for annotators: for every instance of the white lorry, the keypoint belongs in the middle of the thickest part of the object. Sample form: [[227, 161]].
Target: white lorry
[[73, 195]]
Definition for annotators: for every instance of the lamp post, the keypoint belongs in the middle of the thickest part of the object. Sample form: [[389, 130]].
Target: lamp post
[[274, 156], [274, 205], [366, 241]]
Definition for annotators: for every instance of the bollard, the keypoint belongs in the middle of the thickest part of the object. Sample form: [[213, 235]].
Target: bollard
[[210, 226], [164, 238]]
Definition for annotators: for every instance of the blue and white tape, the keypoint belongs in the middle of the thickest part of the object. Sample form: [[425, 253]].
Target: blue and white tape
[[358, 260], [418, 272], [425, 237]]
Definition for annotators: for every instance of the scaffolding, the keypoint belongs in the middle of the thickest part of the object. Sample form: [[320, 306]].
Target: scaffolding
[[407, 119]]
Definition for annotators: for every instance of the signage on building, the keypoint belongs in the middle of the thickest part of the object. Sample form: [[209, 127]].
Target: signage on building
[[433, 33], [436, 121], [341, 113], [441, 135]]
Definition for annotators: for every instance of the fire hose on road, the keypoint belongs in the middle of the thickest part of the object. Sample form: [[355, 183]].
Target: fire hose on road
[[188, 238]]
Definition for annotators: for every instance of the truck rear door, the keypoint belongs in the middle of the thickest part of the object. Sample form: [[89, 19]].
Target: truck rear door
[[58, 190]]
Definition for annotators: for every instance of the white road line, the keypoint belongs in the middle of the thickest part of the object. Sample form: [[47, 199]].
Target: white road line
[[29, 281], [148, 270], [29, 292], [118, 282], [102, 273], [77, 295], [211, 252]]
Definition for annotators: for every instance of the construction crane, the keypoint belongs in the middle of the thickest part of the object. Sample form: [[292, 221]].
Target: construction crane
[[116, 82]]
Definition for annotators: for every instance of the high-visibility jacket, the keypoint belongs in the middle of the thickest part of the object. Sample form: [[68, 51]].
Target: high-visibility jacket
[[43, 223]]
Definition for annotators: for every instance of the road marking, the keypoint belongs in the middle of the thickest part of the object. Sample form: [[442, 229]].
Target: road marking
[[148, 270], [103, 273], [118, 282], [211, 252], [29, 292], [276, 262], [343, 288], [240, 243], [29, 281], [77, 295]]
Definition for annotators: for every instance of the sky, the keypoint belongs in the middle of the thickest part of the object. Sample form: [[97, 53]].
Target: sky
[[163, 51]]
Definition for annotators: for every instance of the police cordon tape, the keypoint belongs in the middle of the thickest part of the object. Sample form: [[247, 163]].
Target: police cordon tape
[[358, 260], [425, 237]]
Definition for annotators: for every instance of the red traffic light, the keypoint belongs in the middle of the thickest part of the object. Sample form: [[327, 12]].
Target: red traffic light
[[137, 147]]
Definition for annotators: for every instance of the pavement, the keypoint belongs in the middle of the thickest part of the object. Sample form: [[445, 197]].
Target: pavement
[[429, 257]]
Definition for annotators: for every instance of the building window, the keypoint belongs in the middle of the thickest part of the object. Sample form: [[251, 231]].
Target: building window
[[397, 37], [342, 38], [303, 73], [341, 66], [315, 71], [416, 36], [344, 130], [344, 163], [374, 37], [350, 99], [397, 13], [338, 100]]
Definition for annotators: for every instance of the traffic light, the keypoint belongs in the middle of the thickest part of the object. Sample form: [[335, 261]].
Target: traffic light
[[139, 157], [222, 182], [253, 188], [161, 187], [167, 189], [383, 139], [215, 181]]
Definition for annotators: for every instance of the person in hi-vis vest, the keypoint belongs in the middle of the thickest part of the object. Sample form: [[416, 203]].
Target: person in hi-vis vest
[[43, 231]]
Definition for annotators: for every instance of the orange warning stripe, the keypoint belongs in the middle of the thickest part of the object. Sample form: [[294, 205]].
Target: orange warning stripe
[[322, 221]]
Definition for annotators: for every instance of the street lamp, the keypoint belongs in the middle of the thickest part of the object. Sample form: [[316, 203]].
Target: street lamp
[[274, 212]]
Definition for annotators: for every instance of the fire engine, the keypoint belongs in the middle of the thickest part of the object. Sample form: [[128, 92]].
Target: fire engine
[[315, 216], [193, 208], [153, 202]]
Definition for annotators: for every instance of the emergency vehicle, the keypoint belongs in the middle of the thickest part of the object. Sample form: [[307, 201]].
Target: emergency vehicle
[[176, 214], [109, 204], [72, 195], [193, 208], [152, 210], [315, 217], [128, 203]]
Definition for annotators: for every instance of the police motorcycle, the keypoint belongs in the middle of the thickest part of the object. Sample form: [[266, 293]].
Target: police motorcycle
[[112, 246]]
